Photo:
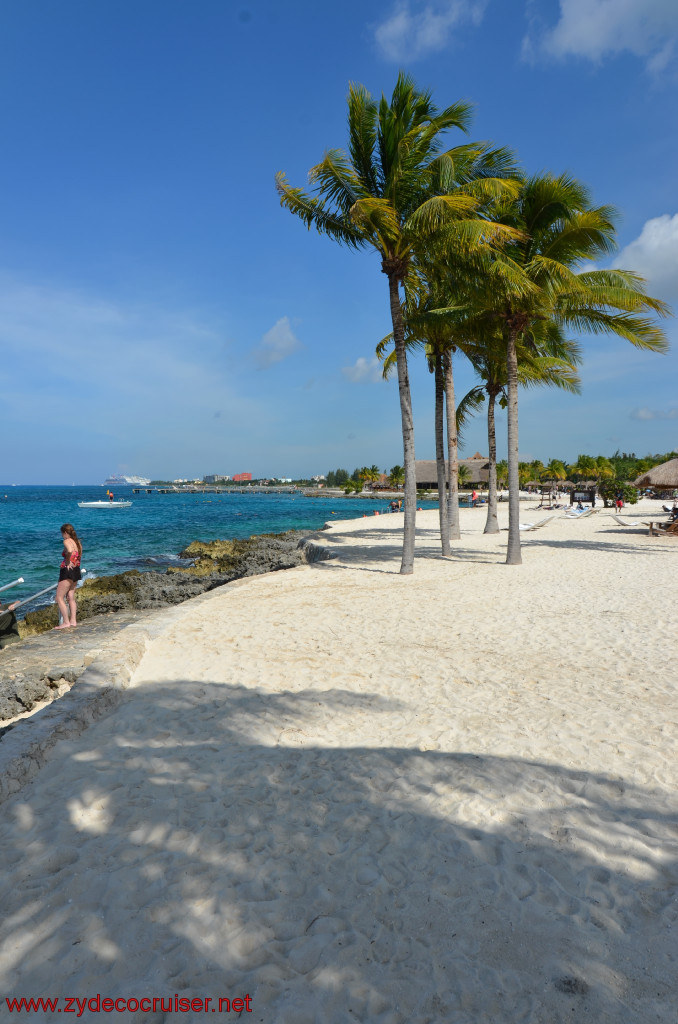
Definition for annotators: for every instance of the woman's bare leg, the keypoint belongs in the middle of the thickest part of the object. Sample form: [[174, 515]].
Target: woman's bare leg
[[72, 605], [61, 594]]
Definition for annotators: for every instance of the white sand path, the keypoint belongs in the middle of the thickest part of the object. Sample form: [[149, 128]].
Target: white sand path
[[357, 796]]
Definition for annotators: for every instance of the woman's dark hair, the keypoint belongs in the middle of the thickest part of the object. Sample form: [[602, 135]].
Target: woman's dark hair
[[70, 532]]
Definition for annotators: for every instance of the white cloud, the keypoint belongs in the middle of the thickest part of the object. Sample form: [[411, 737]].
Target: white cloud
[[363, 370], [654, 255], [414, 30], [277, 344], [654, 414], [595, 29]]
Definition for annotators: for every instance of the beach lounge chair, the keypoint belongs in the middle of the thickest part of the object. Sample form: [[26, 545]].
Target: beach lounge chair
[[581, 515], [625, 522], [655, 529], [536, 526]]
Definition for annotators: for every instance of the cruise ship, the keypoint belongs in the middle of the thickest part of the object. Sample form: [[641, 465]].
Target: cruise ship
[[125, 481]]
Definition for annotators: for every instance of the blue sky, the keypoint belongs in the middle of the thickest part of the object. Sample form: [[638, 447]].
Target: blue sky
[[161, 314]]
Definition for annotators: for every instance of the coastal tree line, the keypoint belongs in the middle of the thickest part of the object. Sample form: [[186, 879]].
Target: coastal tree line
[[483, 261]]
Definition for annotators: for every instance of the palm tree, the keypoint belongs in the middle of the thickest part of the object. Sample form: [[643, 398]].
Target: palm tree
[[464, 474], [370, 474], [396, 476], [524, 473], [556, 369], [537, 277], [584, 468], [441, 330], [393, 189], [604, 469], [554, 472]]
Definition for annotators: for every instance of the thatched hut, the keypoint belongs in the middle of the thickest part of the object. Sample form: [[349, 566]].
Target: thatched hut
[[663, 477], [478, 466]]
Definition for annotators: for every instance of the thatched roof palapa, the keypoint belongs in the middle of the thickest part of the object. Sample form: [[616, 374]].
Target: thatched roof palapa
[[427, 473], [665, 475]]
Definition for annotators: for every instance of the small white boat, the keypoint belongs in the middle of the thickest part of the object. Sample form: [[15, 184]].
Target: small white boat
[[104, 504]]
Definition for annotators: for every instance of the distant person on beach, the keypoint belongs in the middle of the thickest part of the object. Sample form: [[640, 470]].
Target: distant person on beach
[[619, 503], [9, 630], [474, 498], [69, 574]]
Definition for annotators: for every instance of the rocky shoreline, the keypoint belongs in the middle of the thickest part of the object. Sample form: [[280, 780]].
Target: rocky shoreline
[[40, 668]]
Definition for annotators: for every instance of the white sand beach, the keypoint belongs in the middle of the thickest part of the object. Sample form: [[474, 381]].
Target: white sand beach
[[358, 796]]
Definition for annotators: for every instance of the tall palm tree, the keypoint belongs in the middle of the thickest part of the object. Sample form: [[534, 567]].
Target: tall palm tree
[[557, 368], [415, 333], [440, 329], [393, 188], [536, 277]]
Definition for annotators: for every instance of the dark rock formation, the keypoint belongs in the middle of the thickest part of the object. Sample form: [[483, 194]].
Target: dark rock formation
[[216, 562], [42, 667]]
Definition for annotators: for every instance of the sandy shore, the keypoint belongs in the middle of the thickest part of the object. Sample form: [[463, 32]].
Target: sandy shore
[[356, 796]]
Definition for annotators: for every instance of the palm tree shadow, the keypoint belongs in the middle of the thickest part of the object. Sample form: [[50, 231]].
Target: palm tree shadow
[[351, 549], [205, 845], [586, 544]]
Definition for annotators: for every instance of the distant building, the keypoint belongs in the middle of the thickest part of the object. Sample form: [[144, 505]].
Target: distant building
[[318, 479], [239, 478], [215, 478]]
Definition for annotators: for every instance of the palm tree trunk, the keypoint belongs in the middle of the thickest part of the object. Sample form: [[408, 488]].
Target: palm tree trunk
[[513, 556], [492, 524], [452, 449], [440, 454], [410, 488]]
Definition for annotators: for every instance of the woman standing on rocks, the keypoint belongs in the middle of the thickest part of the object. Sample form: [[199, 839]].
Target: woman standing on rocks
[[69, 574]]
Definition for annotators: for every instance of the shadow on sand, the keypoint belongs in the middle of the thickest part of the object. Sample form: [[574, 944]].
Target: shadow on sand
[[195, 844]]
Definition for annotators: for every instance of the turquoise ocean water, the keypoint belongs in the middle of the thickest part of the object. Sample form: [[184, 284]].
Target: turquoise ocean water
[[149, 535]]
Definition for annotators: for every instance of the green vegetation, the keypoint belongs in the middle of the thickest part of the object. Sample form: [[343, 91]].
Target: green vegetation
[[611, 489], [481, 260], [392, 192], [336, 478]]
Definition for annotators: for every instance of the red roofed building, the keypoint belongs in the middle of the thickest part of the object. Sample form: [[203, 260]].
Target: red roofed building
[[238, 478]]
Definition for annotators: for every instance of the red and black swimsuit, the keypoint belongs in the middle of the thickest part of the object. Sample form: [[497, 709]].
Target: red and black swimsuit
[[70, 566]]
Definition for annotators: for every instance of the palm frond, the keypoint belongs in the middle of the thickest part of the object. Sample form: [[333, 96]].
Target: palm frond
[[389, 364], [586, 234], [377, 218], [640, 331], [313, 213], [336, 181], [438, 210], [467, 408], [544, 370], [623, 288], [362, 131]]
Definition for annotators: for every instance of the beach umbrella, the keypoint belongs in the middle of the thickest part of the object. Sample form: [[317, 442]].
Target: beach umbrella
[[664, 476]]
